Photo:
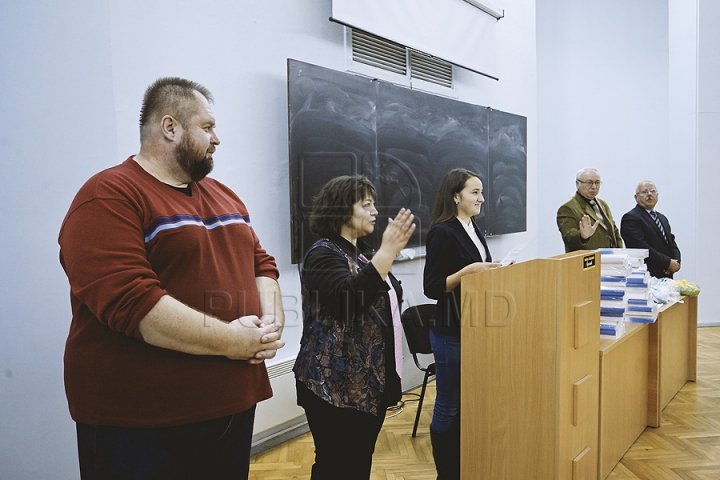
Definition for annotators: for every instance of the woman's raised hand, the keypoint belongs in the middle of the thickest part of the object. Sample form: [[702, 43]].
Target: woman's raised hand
[[398, 231], [394, 239]]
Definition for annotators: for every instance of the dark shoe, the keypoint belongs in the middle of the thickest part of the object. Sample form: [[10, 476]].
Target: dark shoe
[[446, 452]]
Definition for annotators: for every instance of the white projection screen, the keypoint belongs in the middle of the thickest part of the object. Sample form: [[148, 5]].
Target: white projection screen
[[457, 32]]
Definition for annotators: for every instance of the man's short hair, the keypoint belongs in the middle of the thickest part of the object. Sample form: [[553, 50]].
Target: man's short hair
[[171, 96], [584, 171], [637, 189]]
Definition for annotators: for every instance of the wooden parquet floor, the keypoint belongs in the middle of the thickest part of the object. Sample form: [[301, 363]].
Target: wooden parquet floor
[[685, 447]]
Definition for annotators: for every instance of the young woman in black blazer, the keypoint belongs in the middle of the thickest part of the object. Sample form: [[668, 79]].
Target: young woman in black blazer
[[455, 247]]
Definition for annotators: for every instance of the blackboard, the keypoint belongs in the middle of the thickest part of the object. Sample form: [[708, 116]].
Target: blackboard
[[405, 142]]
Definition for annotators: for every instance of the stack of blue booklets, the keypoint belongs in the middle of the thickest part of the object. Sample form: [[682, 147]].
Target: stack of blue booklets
[[615, 329], [612, 306], [612, 302], [640, 306], [633, 257], [615, 264], [624, 293]]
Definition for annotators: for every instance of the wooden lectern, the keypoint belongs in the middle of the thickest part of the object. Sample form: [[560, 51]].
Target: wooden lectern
[[529, 379]]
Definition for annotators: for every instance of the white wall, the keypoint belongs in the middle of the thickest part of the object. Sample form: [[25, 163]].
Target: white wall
[[708, 157], [72, 77], [682, 159]]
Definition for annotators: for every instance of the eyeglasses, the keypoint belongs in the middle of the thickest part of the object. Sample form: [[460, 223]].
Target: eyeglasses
[[590, 183], [646, 191]]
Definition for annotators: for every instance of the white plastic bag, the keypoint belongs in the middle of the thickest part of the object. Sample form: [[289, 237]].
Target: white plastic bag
[[663, 290]]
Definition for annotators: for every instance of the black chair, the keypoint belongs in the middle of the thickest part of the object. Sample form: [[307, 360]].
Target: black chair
[[415, 321]]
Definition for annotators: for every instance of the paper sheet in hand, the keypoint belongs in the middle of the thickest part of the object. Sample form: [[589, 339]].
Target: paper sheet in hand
[[513, 254]]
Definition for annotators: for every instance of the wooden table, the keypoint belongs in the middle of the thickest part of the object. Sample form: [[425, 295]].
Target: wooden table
[[672, 355], [640, 373]]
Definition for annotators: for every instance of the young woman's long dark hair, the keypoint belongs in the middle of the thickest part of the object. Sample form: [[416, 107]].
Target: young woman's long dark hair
[[454, 182]]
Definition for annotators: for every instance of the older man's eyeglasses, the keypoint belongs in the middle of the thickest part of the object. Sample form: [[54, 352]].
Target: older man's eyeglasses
[[646, 191], [590, 183]]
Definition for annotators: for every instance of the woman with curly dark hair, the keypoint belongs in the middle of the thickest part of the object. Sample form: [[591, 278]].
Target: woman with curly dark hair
[[350, 361]]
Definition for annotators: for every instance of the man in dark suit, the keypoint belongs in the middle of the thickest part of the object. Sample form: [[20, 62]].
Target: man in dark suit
[[643, 227], [584, 221]]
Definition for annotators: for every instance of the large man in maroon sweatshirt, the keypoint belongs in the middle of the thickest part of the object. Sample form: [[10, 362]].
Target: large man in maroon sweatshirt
[[175, 305]]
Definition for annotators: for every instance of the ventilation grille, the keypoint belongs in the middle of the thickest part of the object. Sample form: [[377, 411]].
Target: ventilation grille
[[430, 69], [378, 52]]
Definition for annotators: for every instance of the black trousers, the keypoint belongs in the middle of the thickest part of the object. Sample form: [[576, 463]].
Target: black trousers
[[344, 439], [216, 449]]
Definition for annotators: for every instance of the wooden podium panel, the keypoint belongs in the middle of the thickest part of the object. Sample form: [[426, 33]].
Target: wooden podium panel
[[529, 377]]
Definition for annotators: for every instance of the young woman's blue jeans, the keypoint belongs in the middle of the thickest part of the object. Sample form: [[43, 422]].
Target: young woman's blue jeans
[[446, 349]]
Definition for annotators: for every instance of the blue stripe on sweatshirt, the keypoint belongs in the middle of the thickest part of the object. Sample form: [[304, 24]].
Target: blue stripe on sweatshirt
[[177, 221]]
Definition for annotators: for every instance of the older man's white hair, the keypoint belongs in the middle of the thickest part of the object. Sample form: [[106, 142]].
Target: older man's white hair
[[585, 170]]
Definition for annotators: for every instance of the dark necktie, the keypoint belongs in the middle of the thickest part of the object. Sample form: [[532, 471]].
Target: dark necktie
[[598, 213], [658, 223]]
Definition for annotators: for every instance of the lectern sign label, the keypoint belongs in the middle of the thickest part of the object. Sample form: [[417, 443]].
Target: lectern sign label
[[589, 262]]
